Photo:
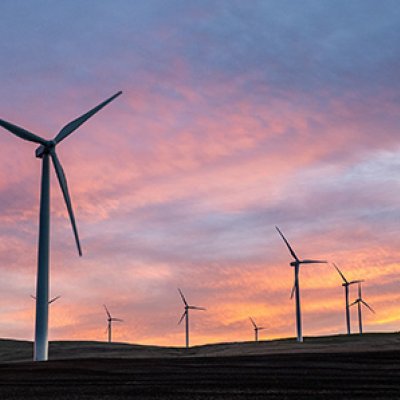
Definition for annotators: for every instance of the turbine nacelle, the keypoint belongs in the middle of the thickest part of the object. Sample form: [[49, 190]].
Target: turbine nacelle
[[45, 149]]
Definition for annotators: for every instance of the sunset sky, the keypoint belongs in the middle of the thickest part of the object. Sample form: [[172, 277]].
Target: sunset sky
[[236, 116]]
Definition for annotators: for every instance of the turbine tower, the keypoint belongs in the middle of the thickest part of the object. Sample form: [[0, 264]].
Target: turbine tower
[[296, 287], [256, 329], [186, 315], [45, 151], [360, 301], [346, 284], [110, 320]]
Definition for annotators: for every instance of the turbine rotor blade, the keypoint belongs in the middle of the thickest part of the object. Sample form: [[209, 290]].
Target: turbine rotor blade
[[341, 274], [54, 299], [183, 316], [354, 302], [292, 292], [359, 290], [76, 123], [183, 297], [366, 305], [108, 312], [287, 244], [252, 321], [197, 308], [33, 297], [313, 262], [22, 133], [358, 281], [117, 319], [64, 188]]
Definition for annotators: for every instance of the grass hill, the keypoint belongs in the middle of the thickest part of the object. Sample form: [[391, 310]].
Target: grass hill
[[16, 350]]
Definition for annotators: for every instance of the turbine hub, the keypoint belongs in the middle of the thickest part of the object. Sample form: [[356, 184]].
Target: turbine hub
[[45, 149]]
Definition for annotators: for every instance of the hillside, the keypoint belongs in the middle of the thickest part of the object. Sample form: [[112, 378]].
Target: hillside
[[15, 350]]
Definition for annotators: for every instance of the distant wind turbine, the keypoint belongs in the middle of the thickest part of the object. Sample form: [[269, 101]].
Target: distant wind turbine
[[45, 151], [256, 329], [186, 315], [346, 285], [360, 301], [296, 287], [110, 320], [50, 301]]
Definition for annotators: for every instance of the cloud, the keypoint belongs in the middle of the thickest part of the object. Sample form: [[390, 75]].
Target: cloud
[[234, 119]]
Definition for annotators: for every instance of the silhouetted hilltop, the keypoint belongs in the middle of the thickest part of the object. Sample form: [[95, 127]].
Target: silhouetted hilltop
[[18, 350]]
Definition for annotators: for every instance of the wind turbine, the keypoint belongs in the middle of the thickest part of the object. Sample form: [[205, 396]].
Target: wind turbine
[[360, 301], [346, 285], [110, 320], [256, 329], [296, 288], [186, 314], [50, 301], [45, 151]]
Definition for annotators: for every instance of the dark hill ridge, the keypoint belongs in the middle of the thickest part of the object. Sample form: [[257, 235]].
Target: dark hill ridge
[[15, 350]]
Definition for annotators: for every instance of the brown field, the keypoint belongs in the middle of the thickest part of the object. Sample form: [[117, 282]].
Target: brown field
[[335, 367]]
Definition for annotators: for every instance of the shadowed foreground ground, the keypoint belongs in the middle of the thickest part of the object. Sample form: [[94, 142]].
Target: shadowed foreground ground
[[298, 376], [319, 374]]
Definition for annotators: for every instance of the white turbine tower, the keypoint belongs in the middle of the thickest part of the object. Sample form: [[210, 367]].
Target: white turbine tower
[[360, 301], [296, 287], [47, 151], [346, 284], [110, 320], [186, 314], [256, 329]]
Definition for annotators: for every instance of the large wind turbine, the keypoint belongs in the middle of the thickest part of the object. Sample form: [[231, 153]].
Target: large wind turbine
[[45, 151], [360, 301], [256, 329], [186, 314], [296, 288], [110, 320], [346, 285]]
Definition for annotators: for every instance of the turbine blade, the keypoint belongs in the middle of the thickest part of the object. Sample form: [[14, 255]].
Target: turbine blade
[[359, 290], [359, 281], [33, 297], [366, 305], [292, 292], [340, 273], [313, 262], [64, 188], [197, 308], [183, 316], [54, 299], [22, 133], [252, 321], [108, 312], [73, 125], [287, 244], [183, 297], [117, 319], [354, 302]]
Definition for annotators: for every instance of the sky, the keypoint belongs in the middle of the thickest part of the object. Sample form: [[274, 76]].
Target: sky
[[235, 117]]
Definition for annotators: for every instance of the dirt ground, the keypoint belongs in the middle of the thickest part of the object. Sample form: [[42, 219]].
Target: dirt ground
[[374, 375], [318, 374]]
